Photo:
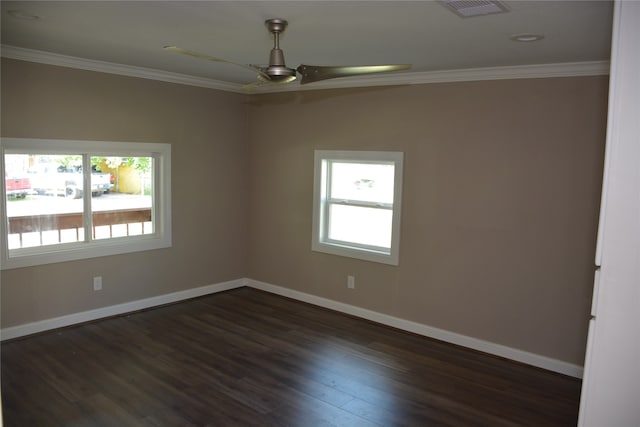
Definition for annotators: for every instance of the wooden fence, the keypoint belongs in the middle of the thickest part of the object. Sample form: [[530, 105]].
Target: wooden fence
[[40, 223]]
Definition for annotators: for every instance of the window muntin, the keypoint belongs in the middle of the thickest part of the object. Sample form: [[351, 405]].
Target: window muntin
[[127, 208], [357, 204]]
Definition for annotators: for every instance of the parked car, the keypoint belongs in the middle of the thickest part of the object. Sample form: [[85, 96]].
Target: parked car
[[17, 187], [69, 182]]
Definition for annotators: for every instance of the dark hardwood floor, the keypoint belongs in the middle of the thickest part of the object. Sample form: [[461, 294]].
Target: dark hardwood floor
[[249, 358]]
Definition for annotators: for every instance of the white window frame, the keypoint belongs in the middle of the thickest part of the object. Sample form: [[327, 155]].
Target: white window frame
[[320, 241], [92, 248]]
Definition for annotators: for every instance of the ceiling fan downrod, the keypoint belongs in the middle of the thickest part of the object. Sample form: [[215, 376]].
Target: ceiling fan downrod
[[277, 69]]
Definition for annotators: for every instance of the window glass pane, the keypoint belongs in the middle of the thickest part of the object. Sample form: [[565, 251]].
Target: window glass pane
[[42, 204], [122, 204], [362, 181], [364, 226]]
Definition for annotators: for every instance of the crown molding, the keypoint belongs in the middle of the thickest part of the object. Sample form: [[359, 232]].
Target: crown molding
[[49, 58], [566, 69]]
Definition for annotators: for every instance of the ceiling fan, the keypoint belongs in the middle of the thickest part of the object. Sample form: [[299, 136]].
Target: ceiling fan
[[278, 72]]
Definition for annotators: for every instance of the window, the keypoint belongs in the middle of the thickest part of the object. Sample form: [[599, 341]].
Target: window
[[69, 200], [357, 198]]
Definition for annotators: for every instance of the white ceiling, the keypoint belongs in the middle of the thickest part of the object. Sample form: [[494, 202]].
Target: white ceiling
[[423, 33]]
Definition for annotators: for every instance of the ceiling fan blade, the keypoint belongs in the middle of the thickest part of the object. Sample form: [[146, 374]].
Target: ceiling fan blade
[[262, 82], [214, 59], [251, 86], [313, 73]]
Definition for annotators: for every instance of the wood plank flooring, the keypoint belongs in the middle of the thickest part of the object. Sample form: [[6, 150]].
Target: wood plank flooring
[[249, 358]]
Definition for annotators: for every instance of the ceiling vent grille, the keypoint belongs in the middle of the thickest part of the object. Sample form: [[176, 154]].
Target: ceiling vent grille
[[469, 8]]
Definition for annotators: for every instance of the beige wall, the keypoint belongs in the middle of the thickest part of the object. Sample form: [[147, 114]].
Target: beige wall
[[500, 203], [208, 137], [501, 195]]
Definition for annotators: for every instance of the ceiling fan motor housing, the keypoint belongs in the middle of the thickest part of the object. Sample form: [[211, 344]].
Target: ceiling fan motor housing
[[277, 68]]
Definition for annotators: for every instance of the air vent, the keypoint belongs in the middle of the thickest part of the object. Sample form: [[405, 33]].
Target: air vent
[[469, 8]]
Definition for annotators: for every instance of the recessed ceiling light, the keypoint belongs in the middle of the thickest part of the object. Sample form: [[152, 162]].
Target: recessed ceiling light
[[526, 37], [19, 14]]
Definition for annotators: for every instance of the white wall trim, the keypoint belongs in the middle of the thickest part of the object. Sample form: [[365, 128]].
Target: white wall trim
[[49, 58], [114, 310], [405, 325], [566, 69], [424, 330]]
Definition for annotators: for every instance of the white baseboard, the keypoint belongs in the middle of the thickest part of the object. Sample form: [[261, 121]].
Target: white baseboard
[[114, 310], [406, 325], [428, 331]]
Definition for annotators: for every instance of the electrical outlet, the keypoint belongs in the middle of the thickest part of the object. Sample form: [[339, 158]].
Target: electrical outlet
[[351, 282], [97, 283]]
